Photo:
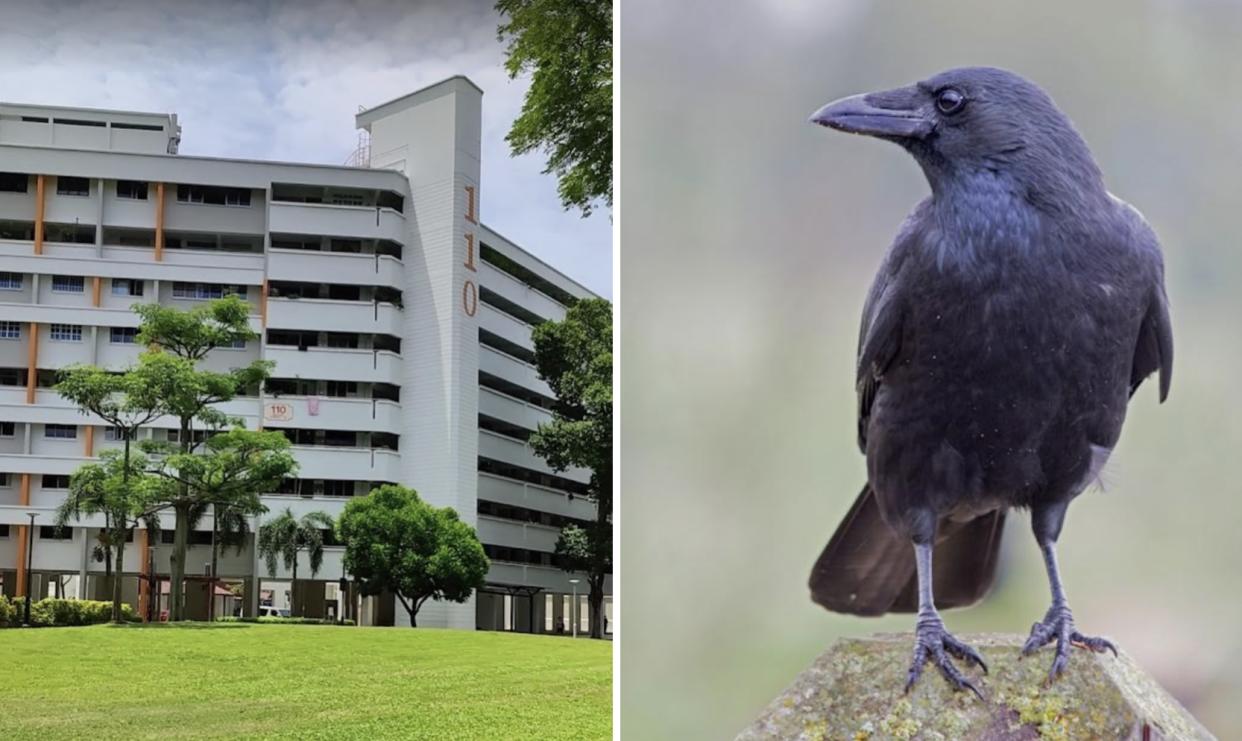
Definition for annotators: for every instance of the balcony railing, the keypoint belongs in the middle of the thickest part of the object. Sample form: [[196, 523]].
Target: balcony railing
[[344, 267], [342, 364], [329, 315], [365, 222]]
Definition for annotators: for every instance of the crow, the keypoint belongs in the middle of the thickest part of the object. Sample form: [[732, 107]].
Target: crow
[[1018, 310]]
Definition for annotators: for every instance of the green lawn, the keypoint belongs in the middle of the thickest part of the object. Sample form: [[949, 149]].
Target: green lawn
[[294, 681]]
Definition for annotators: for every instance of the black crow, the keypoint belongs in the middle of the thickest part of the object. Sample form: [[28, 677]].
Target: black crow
[[1012, 319]]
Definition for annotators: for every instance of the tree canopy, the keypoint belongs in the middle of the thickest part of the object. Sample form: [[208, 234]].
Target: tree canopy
[[190, 395], [396, 542], [193, 333], [566, 46], [118, 488], [574, 356]]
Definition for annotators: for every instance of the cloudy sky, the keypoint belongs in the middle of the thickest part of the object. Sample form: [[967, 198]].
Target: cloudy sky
[[283, 80]]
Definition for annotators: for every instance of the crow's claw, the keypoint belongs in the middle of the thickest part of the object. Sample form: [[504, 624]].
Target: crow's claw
[[933, 643], [1058, 625]]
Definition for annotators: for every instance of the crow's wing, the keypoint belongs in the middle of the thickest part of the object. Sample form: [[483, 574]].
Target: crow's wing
[[1154, 349], [879, 337]]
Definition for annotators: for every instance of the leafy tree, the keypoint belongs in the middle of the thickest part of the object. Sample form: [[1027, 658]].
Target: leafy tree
[[567, 47], [230, 472], [120, 489], [285, 536], [127, 401], [396, 542], [191, 335], [574, 356]]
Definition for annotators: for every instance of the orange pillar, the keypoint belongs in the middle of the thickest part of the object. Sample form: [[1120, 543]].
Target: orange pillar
[[159, 222], [38, 231], [98, 286], [32, 363], [263, 303], [23, 532], [90, 441], [144, 567]]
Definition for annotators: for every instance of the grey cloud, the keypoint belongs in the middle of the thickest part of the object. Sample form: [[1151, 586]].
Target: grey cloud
[[282, 80]]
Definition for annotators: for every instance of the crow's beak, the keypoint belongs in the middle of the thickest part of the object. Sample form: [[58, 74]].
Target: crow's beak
[[894, 115]]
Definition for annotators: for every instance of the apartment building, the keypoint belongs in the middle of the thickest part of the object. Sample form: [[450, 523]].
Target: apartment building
[[398, 322]]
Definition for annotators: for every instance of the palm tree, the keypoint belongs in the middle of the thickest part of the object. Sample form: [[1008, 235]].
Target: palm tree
[[286, 535]]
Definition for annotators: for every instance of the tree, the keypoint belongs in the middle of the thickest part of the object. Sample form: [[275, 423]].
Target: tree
[[396, 542], [127, 401], [567, 47], [230, 473], [574, 357], [191, 335], [285, 536], [119, 489]]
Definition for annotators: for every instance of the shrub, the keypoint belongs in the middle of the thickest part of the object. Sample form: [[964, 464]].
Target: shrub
[[282, 620], [52, 612]]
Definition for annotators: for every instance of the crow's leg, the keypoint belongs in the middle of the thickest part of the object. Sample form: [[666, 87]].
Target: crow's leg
[[931, 641], [1058, 622]]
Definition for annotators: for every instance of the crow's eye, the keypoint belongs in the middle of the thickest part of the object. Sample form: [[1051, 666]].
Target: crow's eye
[[950, 101]]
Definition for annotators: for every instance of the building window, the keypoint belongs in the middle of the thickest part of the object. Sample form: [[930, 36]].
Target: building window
[[53, 481], [346, 199], [196, 537], [68, 284], [66, 186], [212, 195], [126, 287], [206, 291], [341, 389], [14, 182], [80, 122], [338, 488], [10, 330], [113, 434], [51, 532], [61, 432], [67, 332], [124, 335], [4, 482], [8, 429], [4, 529], [10, 281], [134, 189], [235, 345]]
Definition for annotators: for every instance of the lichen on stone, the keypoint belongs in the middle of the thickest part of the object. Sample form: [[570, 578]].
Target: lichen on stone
[[854, 691]]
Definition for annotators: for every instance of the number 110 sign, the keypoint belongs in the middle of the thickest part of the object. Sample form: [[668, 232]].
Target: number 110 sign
[[470, 291]]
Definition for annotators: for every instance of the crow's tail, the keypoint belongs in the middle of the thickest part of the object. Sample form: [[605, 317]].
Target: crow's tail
[[868, 569]]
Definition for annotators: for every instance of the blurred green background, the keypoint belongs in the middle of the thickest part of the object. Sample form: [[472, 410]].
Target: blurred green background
[[749, 238]]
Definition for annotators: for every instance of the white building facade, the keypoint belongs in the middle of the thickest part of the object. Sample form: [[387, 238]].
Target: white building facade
[[399, 325]]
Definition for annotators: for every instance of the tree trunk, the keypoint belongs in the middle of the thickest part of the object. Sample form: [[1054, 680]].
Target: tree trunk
[[596, 601], [181, 536], [176, 592], [417, 603], [118, 583], [293, 589], [118, 586], [107, 549], [598, 572], [215, 550]]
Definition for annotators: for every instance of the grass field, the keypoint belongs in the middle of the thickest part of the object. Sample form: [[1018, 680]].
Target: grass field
[[306, 682]]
